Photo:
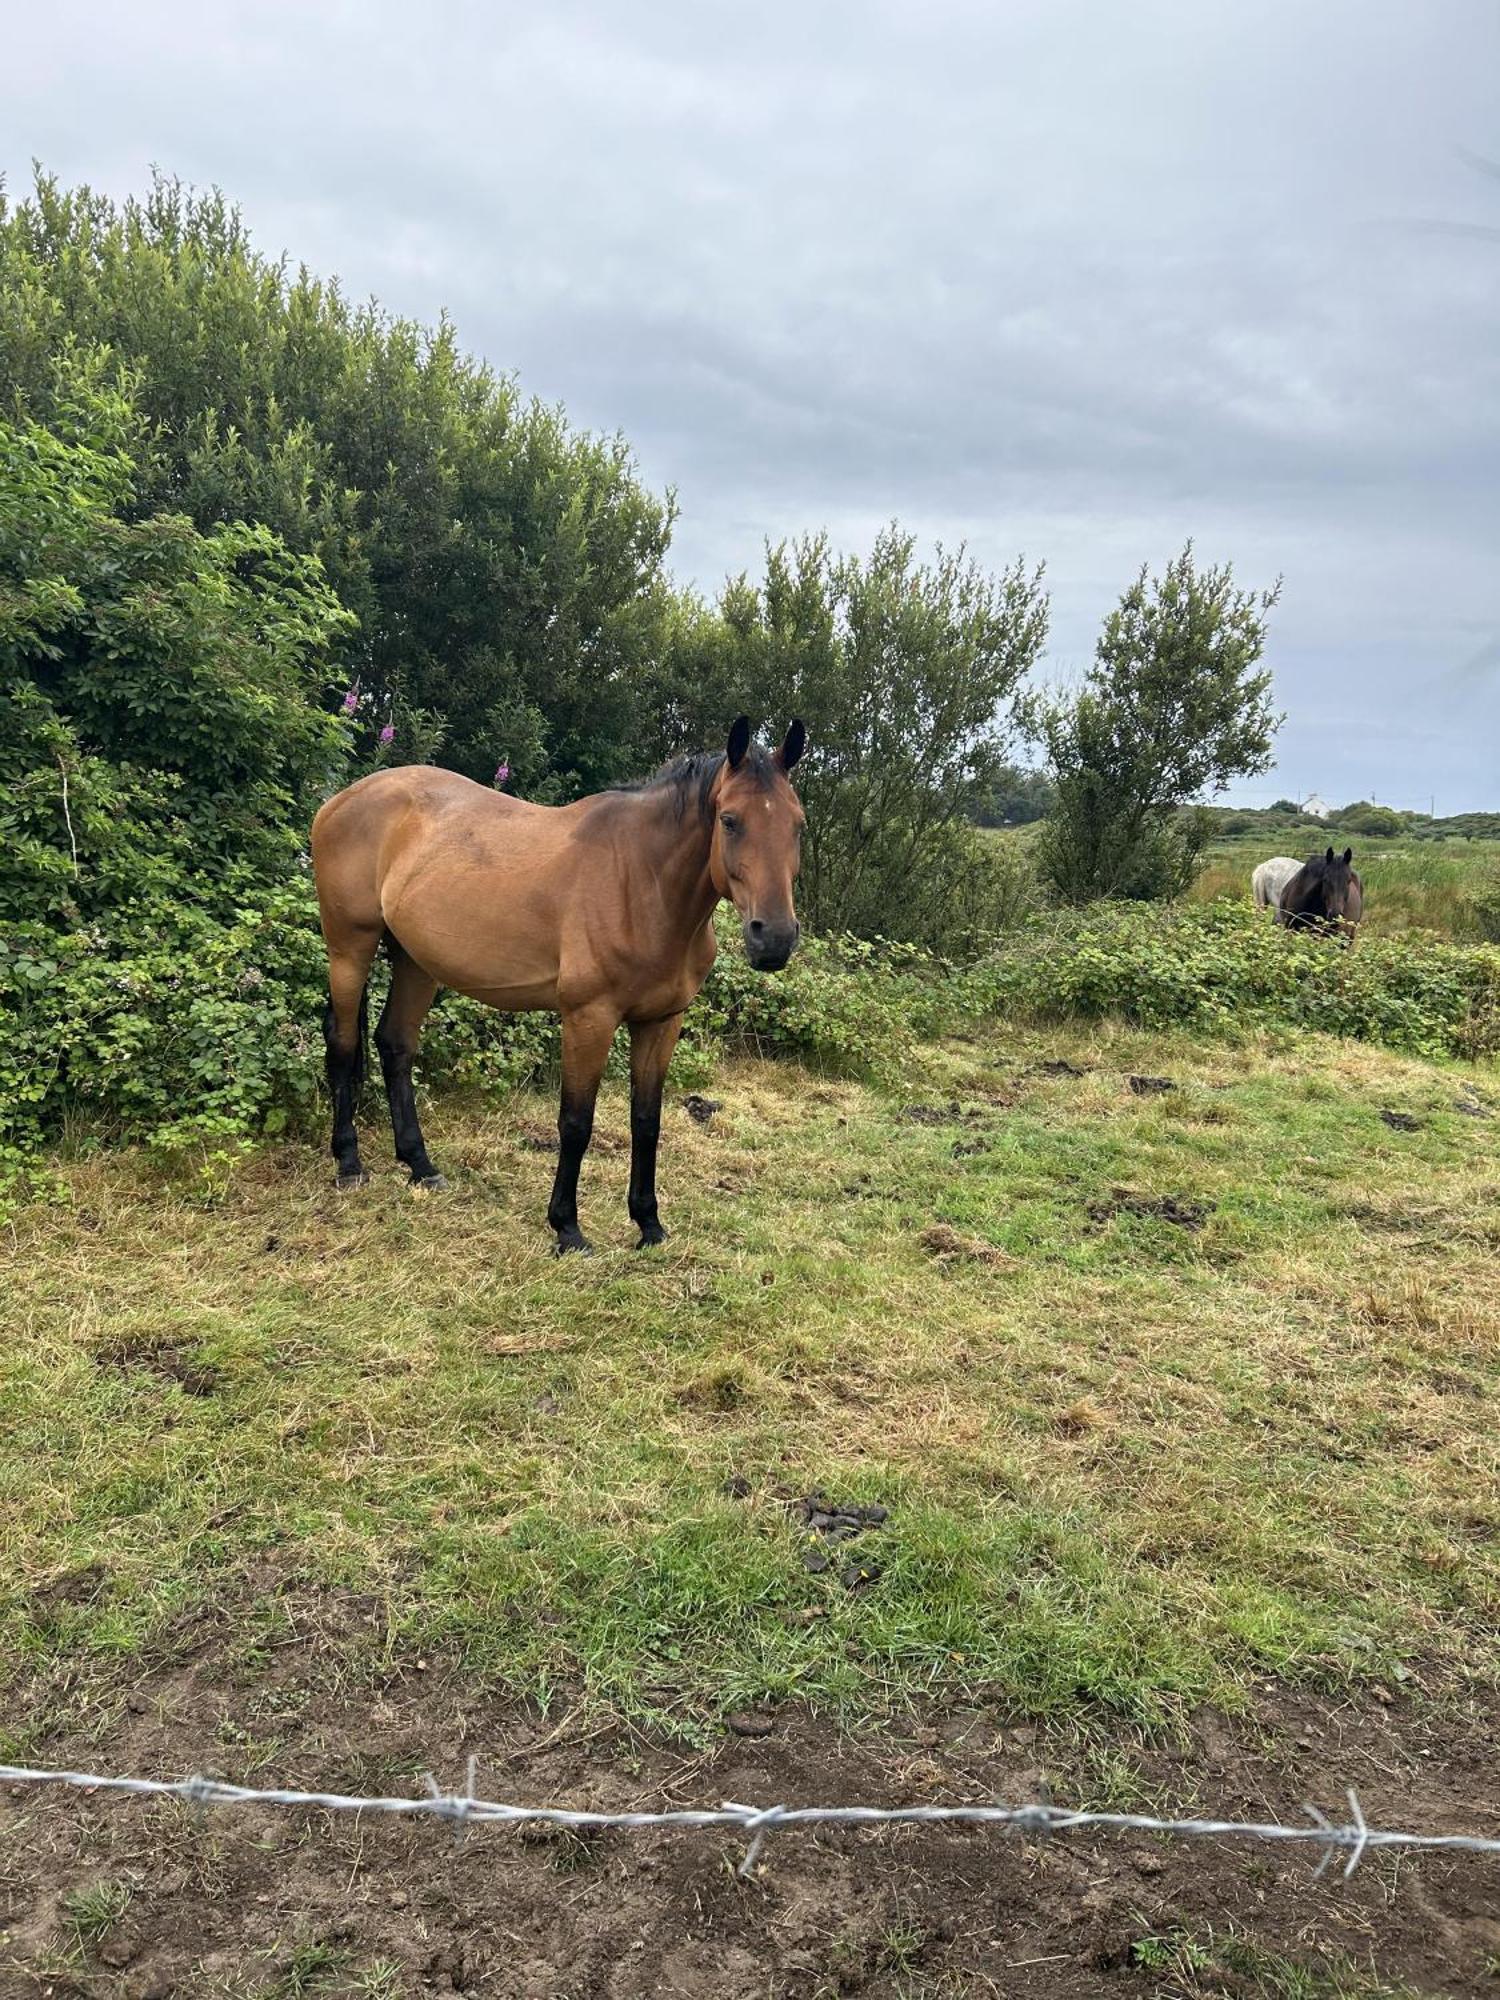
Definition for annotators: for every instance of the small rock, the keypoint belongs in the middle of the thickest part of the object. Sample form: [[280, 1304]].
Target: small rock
[[1383, 1695], [1146, 1863], [399, 1899], [746, 1722], [120, 1950]]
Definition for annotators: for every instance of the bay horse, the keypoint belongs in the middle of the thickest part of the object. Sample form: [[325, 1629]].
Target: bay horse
[[1325, 894], [600, 911]]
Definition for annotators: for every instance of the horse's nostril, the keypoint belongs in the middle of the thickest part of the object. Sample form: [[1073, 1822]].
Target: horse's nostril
[[756, 927]]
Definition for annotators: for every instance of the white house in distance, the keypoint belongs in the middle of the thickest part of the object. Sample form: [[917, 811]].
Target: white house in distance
[[1316, 807]]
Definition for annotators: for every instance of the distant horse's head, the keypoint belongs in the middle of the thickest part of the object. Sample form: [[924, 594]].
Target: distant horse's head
[[1325, 894], [757, 842]]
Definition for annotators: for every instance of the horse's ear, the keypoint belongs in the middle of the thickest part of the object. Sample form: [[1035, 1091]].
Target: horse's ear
[[795, 744], [739, 743], [1329, 855], [1348, 856]]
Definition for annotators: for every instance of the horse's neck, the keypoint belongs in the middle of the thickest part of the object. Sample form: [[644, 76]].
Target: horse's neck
[[676, 848]]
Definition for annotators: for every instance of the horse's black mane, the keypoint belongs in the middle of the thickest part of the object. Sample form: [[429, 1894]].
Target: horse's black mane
[[690, 778]]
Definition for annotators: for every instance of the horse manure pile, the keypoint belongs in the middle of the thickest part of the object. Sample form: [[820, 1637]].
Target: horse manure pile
[[167, 1360], [1149, 1086], [1159, 1208], [833, 1522]]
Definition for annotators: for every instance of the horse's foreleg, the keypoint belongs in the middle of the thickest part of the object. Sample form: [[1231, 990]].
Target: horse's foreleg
[[344, 1041], [651, 1046], [412, 993], [587, 1034]]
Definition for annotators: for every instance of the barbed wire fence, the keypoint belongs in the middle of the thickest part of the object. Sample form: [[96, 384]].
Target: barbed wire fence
[[1353, 1838]]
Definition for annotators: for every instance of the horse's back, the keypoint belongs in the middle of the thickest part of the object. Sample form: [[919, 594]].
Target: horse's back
[[1270, 879]]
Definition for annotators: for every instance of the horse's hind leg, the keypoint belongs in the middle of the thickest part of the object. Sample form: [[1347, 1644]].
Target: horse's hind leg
[[344, 1026], [412, 993]]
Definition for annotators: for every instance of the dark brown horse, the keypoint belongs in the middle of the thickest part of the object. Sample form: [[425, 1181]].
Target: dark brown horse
[[1326, 895], [600, 911]]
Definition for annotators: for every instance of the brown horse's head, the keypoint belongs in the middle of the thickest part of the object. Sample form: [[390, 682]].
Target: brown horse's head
[[757, 842], [1325, 895], [1340, 886]]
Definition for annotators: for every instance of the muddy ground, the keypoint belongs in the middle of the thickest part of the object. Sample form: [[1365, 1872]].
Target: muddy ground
[[251, 1902]]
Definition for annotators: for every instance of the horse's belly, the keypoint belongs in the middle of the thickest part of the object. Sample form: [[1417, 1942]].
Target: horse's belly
[[499, 951]]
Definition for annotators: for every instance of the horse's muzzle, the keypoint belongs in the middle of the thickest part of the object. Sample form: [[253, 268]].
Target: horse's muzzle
[[769, 946]]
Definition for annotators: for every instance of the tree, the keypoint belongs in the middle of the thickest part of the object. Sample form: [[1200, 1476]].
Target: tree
[[504, 570], [902, 671], [1175, 705], [160, 731], [1015, 797], [1380, 822]]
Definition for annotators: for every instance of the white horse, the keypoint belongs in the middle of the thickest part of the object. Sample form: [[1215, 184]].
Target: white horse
[[1268, 881]]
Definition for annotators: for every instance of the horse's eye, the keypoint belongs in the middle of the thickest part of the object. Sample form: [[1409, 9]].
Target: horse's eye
[[729, 823]]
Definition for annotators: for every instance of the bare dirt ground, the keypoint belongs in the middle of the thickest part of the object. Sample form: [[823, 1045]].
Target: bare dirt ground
[[279, 1904]]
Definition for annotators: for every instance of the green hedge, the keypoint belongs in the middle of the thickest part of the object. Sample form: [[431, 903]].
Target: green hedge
[[1222, 965], [176, 1028]]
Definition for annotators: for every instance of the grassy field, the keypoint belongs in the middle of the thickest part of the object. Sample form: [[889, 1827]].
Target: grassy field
[[1450, 887], [1160, 1392], [1170, 1402]]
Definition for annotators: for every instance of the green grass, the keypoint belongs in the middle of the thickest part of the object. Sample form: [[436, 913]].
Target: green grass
[[1201, 1965], [1449, 887], [93, 1910], [1130, 1466]]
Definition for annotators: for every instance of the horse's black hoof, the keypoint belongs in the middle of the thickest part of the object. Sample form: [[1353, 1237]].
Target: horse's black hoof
[[651, 1237], [431, 1183], [574, 1244], [358, 1179]]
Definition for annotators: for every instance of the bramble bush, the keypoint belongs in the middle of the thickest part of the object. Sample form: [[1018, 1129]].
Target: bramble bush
[[1220, 966]]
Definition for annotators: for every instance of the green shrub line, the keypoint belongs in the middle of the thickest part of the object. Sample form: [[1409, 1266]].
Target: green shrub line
[[1221, 966], [171, 1027]]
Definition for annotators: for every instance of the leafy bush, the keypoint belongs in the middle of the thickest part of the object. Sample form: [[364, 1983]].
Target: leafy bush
[[1218, 966], [504, 570], [901, 670], [1175, 704]]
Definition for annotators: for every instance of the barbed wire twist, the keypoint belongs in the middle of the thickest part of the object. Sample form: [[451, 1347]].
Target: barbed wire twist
[[465, 1809]]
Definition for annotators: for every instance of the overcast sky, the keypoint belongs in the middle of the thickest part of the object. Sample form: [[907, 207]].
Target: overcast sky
[[1073, 278]]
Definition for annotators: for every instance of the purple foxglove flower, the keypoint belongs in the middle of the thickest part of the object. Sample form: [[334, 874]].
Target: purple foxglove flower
[[351, 699], [502, 772], [388, 734]]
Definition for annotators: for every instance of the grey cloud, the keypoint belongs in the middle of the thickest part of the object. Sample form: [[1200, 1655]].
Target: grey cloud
[[1063, 277]]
